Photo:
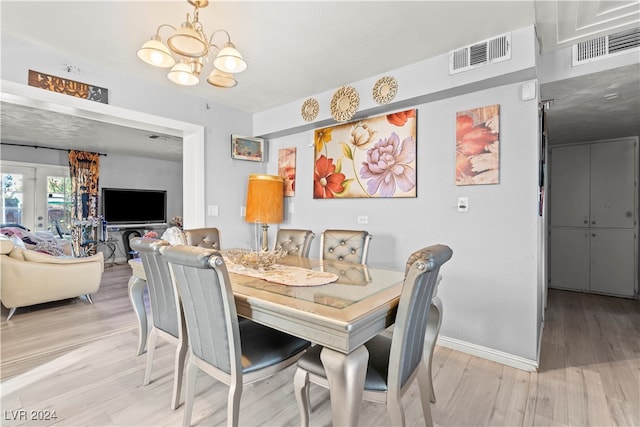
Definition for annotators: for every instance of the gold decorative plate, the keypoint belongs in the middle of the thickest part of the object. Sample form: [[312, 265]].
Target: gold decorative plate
[[310, 109], [344, 103], [385, 90]]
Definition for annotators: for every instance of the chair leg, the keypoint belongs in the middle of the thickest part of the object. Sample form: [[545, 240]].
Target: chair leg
[[178, 370], [88, 297], [233, 403], [395, 411], [434, 321], [151, 349], [301, 390], [11, 312], [423, 377], [192, 372]]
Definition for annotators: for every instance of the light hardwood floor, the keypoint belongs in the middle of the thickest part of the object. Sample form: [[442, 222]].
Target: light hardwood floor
[[79, 360]]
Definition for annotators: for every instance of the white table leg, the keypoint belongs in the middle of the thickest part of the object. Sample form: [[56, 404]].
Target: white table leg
[[136, 296], [346, 374]]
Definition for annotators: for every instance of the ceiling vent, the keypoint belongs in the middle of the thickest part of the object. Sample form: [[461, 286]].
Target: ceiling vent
[[496, 49], [605, 46]]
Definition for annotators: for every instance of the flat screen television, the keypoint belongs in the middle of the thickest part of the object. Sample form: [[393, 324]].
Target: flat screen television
[[122, 206]]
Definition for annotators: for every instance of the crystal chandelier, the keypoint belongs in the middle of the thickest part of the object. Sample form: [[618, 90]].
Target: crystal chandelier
[[192, 47]]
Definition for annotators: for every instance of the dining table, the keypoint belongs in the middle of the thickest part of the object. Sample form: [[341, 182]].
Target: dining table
[[340, 316]]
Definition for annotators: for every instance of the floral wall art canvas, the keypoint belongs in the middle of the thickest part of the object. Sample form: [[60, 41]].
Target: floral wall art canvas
[[287, 169], [374, 157], [477, 146]]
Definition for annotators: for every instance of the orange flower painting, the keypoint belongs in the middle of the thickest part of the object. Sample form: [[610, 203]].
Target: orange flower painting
[[477, 146], [374, 157]]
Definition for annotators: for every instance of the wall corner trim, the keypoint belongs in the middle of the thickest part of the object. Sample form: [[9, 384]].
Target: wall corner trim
[[489, 354]]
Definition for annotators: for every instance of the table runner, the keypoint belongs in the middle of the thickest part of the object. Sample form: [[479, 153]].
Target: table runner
[[284, 274]]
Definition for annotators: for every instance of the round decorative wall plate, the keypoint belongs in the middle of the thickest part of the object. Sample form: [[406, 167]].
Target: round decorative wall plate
[[310, 109], [344, 103], [385, 90]]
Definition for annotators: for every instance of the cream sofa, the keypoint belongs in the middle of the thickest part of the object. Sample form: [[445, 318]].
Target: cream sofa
[[28, 277]]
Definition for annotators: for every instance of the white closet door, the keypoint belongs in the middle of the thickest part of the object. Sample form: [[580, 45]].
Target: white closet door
[[569, 182], [612, 184], [569, 258], [612, 261]]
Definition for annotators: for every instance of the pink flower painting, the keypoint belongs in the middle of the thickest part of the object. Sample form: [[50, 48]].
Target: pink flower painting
[[374, 157], [477, 146]]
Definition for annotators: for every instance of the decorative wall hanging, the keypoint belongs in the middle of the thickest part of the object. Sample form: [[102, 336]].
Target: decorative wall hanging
[[310, 109], [287, 169], [247, 148], [374, 157], [477, 146], [84, 169], [385, 90], [344, 103], [68, 87]]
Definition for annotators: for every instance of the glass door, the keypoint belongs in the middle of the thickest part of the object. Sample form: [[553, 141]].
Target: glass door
[[18, 195], [37, 197]]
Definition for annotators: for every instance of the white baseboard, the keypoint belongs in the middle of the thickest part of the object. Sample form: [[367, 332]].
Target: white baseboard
[[489, 354]]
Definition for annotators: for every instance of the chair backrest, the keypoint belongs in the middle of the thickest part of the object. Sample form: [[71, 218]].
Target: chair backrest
[[411, 319], [202, 280], [294, 241], [162, 296], [345, 245], [203, 237]]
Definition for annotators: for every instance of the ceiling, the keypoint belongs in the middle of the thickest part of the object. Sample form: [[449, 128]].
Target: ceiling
[[299, 48]]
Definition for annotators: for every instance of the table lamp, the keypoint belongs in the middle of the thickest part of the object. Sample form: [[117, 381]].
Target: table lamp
[[265, 202]]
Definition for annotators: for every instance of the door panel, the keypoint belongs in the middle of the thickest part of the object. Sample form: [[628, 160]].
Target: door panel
[[569, 202], [612, 261], [569, 258], [612, 184]]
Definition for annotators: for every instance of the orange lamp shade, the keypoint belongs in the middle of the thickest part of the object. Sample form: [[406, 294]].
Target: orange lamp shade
[[265, 199]]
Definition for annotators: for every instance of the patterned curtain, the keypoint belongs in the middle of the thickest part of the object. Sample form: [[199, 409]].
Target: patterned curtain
[[84, 168]]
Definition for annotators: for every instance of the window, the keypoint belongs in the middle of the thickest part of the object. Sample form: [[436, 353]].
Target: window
[[59, 202]]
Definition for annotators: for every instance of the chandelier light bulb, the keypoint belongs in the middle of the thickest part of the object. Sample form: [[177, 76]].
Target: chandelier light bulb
[[181, 74], [155, 53]]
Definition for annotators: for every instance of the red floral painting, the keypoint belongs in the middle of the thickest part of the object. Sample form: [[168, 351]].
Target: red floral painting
[[375, 157], [478, 146]]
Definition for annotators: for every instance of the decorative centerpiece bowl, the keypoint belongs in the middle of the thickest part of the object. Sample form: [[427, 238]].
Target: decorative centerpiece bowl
[[258, 260]]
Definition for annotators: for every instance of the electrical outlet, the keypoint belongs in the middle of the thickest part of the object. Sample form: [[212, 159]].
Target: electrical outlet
[[363, 219], [212, 210], [463, 204]]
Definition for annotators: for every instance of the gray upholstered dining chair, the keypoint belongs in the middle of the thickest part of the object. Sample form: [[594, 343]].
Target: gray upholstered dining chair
[[166, 312], [208, 237], [393, 362], [235, 353], [345, 245], [294, 241]]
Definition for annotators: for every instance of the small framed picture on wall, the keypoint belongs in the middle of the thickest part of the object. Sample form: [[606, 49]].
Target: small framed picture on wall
[[247, 148]]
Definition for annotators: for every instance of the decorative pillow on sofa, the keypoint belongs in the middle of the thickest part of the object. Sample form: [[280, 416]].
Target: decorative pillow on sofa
[[41, 241]]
